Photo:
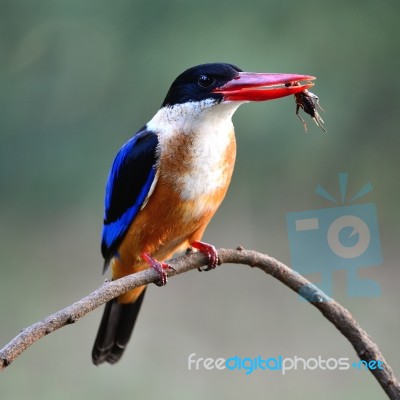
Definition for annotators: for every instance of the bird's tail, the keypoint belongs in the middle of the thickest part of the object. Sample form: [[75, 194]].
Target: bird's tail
[[115, 330]]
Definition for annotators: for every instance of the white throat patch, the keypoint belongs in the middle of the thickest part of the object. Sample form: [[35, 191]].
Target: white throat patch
[[193, 139]]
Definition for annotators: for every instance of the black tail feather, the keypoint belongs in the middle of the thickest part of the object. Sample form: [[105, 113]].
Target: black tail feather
[[115, 330]]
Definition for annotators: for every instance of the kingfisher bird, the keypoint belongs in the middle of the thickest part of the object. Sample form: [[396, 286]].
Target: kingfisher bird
[[169, 179]]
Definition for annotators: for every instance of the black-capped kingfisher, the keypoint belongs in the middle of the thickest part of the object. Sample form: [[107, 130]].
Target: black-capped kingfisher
[[169, 179]]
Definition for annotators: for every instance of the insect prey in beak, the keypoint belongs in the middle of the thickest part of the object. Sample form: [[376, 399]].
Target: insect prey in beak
[[308, 102]]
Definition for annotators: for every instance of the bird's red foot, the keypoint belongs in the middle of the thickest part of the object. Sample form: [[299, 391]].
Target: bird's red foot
[[159, 266], [210, 251]]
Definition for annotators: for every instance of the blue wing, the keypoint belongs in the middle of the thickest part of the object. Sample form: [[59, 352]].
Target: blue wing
[[129, 183]]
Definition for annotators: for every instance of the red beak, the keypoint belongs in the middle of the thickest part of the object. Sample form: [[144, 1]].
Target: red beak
[[253, 86]]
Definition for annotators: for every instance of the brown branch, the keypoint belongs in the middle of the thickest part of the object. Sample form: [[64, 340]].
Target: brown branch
[[364, 346]]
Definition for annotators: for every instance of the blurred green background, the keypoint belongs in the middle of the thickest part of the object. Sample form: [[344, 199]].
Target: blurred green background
[[78, 78]]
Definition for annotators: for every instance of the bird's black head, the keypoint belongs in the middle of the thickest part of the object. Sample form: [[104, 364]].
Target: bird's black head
[[197, 83], [226, 82]]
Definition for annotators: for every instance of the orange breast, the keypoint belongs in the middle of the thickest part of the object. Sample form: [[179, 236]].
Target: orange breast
[[169, 223]]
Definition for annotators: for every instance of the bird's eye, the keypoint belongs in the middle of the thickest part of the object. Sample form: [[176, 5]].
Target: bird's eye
[[205, 81]]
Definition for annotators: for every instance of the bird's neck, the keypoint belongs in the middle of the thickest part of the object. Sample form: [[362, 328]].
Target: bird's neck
[[190, 118], [196, 146]]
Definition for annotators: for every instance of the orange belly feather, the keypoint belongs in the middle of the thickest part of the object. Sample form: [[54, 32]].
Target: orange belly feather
[[167, 224]]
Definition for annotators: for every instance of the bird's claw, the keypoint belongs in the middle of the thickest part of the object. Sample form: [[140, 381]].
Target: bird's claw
[[210, 251], [160, 267]]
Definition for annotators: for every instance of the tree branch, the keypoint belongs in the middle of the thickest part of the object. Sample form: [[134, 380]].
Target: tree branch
[[364, 346]]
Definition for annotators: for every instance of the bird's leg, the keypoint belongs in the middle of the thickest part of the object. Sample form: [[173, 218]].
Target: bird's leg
[[159, 266], [210, 251]]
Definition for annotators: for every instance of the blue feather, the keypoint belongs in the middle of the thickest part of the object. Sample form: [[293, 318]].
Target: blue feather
[[115, 230], [131, 176]]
